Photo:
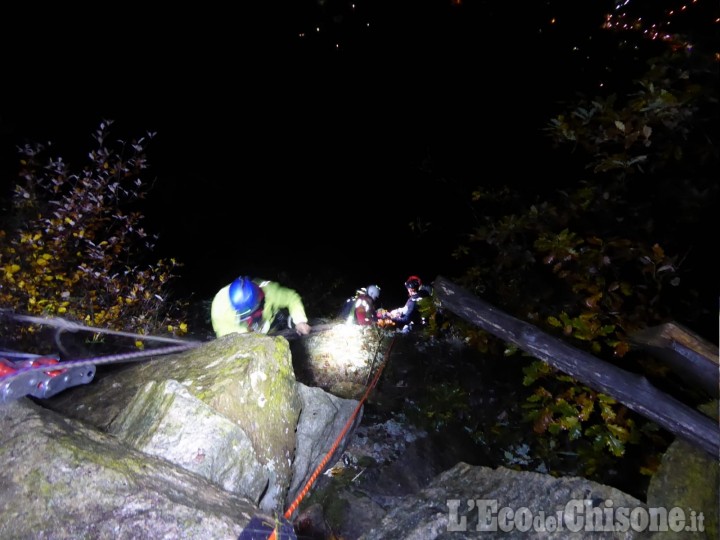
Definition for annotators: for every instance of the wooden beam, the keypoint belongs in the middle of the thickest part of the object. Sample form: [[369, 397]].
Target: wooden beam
[[632, 390], [687, 354]]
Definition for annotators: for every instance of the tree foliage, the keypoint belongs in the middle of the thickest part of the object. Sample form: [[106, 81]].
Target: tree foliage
[[665, 125], [73, 245], [605, 255]]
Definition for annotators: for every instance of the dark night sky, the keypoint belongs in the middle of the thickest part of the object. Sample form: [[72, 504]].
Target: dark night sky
[[276, 150]]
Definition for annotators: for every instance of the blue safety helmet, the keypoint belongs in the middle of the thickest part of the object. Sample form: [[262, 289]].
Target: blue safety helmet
[[245, 297], [373, 292]]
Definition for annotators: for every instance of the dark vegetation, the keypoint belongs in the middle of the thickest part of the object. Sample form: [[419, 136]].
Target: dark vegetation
[[597, 260], [73, 244]]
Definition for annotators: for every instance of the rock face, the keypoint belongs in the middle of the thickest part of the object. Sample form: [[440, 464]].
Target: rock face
[[324, 417], [393, 481], [192, 445], [167, 421], [689, 479], [341, 359], [461, 503], [203, 444], [227, 410], [64, 480]]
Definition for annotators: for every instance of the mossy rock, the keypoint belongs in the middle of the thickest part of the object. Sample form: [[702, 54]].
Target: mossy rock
[[688, 478]]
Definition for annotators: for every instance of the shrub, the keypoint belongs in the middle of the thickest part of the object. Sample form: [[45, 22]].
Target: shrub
[[72, 244]]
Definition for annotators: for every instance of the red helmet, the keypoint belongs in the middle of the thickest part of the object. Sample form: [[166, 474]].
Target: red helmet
[[413, 282]]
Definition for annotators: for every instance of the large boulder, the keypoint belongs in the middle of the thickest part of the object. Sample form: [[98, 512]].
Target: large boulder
[[689, 479], [167, 421], [226, 410], [340, 359], [64, 480], [323, 419], [224, 426], [466, 502]]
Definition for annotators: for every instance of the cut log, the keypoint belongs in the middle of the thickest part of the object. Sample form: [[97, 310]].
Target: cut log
[[692, 358], [630, 389]]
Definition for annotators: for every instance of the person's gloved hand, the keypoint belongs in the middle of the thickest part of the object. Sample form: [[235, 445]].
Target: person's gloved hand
[[302, 328]]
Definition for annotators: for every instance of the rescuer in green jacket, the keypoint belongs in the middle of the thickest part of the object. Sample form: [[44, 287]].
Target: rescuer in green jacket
[[247, 305]]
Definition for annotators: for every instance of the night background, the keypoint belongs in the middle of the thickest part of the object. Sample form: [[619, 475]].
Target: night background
[[557, 159], [305, 137]]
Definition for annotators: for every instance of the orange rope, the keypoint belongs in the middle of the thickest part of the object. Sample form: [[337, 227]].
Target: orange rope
[[318, 470]]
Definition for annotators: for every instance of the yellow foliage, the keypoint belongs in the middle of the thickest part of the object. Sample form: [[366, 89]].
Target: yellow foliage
[[75, 270]]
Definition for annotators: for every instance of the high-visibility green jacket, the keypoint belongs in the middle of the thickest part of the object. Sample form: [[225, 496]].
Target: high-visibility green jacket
[[225, 318]]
